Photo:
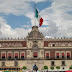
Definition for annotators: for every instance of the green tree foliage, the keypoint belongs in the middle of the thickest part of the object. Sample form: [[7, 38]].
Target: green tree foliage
[[57, 67], [70, 67], [24, 67], [45, 67], [52, 68]]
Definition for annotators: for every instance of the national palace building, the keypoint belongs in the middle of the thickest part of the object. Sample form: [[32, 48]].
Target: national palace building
[[36, 49]]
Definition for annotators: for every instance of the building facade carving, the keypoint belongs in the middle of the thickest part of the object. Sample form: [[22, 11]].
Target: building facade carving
[[35, 49]]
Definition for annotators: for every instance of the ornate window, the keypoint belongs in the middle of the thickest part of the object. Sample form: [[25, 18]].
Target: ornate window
[[62, 55], [9, 55], [22, 55], [47, 55], [16, 55], [3, 55], [57, 55], [35, 54], [68, 55]]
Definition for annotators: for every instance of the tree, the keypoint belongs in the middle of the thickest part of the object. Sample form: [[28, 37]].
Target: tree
[[45, 67], [58, 67], [24, 67], [52, 68], [70, 67]]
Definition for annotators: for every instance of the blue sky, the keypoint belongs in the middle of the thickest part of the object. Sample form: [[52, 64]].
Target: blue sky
[[18, 21], [17, 18]]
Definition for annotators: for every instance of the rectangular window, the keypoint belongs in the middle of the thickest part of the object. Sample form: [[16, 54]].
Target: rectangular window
[[68, 55], [57, 55], [47, 55], [3, 63], [62, 55], [52, 63], [3, 55], [63, 63], [16, 55], [22, 55], [35, 54]]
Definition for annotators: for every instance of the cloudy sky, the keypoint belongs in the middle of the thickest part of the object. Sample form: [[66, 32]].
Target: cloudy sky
[[17, 17]]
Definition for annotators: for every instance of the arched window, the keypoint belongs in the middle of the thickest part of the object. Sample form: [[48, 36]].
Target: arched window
[[9, 55], [35, 54], [62, 55], [68, 55], [22, 55], [47, 55], [16, 55], [3, 55], [57, 55]]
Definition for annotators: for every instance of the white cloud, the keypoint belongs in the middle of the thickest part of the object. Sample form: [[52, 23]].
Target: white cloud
[[50, 31], [17, 7], [57, 17], [22, 32], [7, 32], [26, 26], [58, 13]]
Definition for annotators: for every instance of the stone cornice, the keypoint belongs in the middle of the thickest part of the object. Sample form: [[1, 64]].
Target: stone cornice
[[57, 47], [57, 39]]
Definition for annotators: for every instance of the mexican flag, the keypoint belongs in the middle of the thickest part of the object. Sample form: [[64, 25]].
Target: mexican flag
[[39, 18]]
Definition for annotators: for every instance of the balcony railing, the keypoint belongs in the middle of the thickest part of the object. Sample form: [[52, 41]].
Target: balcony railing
[[13, 59], [57, 58], [37, 59]]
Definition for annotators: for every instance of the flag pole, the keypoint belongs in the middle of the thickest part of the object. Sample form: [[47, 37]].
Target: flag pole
[[34, 13]]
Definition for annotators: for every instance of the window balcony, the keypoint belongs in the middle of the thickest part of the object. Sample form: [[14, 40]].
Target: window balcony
[[35, 58]]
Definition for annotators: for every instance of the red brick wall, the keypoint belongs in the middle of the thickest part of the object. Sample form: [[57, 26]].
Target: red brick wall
[[45, 43], [24, 43], [52, 52]]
